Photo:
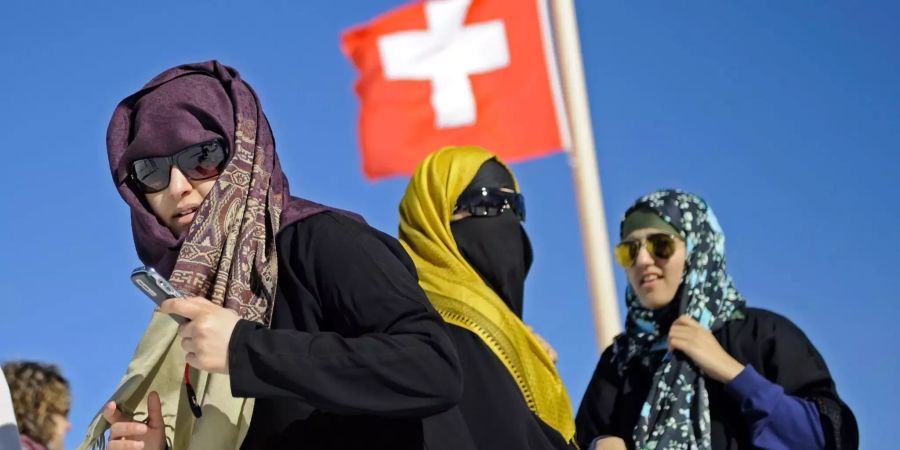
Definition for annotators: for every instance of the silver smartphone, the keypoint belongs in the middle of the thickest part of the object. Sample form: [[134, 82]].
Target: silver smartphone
[[156, 287]]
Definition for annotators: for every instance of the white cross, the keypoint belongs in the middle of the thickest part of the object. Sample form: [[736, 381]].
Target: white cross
[[446, 54]]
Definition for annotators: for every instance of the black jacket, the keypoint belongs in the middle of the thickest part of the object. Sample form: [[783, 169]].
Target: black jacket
[[355, 357], [773, 345]]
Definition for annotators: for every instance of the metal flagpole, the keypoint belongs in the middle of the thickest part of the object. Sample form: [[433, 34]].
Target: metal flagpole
[[583, 159]]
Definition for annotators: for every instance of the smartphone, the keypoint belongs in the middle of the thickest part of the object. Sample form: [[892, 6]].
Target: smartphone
[[156, 287]]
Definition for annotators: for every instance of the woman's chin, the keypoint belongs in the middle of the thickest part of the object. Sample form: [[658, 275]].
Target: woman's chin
[[652, 301]]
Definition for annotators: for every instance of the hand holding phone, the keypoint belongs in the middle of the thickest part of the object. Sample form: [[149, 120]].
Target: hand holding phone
[[156, 287]]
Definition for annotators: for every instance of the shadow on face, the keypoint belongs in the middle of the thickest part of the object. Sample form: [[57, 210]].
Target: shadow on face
[[177, 204]]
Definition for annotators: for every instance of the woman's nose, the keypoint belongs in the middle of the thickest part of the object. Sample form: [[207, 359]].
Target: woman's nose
[[179, 185], [643, 257]]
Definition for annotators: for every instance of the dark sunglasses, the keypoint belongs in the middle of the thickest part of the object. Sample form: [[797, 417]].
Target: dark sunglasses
[[660, 245], [197, 162], [488, 202]]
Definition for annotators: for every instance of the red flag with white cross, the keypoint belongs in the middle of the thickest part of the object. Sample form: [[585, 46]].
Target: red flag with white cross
[[456, 72]]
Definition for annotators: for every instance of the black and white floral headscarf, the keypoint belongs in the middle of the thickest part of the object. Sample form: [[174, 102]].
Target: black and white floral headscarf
[[676, 413]]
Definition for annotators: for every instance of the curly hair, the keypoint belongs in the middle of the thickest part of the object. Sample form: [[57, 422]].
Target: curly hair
[[38, 392]]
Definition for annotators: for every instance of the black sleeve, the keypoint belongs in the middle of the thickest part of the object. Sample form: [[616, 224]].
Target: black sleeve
[[596, 413], [789, 359], [392, 356]]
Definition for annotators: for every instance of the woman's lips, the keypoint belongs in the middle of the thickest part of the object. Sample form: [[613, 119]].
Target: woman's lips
[[184, 220], [649, 280], [184, 217]]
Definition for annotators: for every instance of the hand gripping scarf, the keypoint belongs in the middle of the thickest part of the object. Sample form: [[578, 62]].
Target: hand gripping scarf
[[228, 255], [676, 413], [458, 292]]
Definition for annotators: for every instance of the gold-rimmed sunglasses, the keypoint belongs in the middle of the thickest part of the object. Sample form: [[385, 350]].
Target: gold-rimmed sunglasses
[[660, 245]]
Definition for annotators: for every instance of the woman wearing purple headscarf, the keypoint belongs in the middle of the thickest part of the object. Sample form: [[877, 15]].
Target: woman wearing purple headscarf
[[307, 327]]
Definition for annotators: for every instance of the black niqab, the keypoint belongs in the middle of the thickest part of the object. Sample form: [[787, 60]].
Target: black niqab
[[497, 247]]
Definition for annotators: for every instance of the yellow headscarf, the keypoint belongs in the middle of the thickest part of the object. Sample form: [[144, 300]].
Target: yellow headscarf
[[458, 292]]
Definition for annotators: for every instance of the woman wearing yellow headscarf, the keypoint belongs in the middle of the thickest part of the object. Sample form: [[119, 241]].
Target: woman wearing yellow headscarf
[[460, 221]]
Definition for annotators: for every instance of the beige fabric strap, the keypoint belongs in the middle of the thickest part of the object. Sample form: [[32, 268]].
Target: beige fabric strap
[[158, 365]]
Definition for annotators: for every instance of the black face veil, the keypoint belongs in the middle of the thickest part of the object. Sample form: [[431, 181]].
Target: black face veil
[[497, 247]]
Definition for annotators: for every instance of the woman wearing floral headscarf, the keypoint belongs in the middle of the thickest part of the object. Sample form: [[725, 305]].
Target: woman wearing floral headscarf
[[696, 368]]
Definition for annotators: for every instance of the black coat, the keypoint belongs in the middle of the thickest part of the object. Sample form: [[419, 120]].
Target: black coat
[[773, 345], [356, 357], [492, 413]]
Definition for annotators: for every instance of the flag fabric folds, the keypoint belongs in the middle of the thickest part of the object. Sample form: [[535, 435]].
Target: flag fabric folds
[[456, 72]]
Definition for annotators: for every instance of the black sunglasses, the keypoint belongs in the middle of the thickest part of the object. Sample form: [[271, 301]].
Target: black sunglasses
[[660, 245], [197, 162], [487, 202]]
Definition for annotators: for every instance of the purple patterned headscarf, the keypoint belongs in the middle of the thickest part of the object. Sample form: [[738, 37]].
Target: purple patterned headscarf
[[228, 254]]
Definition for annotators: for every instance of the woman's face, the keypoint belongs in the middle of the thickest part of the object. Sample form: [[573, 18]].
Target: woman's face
[[655, 280], [61, 427], [177, 204]]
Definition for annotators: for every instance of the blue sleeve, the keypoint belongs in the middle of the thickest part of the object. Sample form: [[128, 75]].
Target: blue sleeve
[[777, 420]]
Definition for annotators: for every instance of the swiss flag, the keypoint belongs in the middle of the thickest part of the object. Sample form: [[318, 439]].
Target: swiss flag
[[456, 72]]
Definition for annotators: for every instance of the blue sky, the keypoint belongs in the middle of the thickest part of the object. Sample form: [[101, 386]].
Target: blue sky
[[781, 114]]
